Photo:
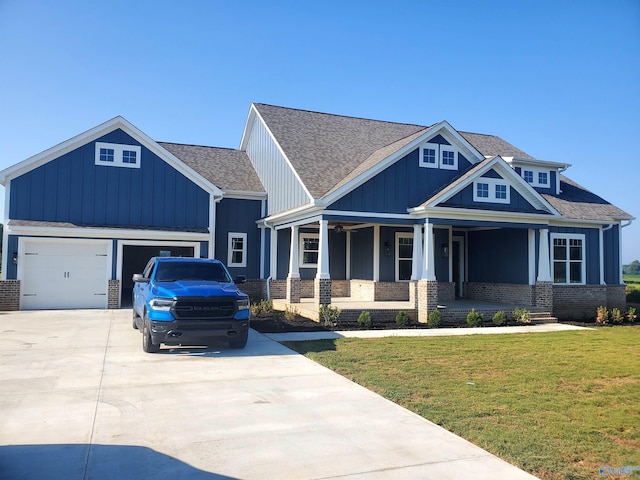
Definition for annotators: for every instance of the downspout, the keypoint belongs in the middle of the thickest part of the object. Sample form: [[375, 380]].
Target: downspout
[[601, 244]]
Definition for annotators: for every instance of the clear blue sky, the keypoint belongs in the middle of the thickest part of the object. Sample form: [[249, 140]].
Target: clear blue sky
[[559, 79]]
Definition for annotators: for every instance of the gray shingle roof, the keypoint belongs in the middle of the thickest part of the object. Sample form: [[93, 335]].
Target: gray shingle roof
[[577, 202], [227, 168], [492, 146]]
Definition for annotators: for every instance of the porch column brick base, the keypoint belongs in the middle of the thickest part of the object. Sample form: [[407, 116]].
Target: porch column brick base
[[322, 291], [293, 290], [543, 296], [427, 298], [9, 295]]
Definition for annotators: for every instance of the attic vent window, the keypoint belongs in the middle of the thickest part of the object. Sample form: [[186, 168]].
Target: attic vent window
[[435, 155], [491, 190], [117, 155]]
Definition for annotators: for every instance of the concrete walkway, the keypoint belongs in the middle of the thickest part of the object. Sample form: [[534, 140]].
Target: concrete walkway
[[80, 400]]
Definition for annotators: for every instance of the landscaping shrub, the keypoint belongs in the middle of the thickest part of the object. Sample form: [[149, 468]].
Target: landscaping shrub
[[435, 319], [364, 320], [522, 315], [290, 313], [633, 295], [329, 315], [277, 316], [500, 319], [616, 316], [602, 315], [402, 318], [474, 319], [631, 314], [261, 308]]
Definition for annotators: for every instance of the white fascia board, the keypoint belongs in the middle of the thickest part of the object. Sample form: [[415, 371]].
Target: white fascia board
[[106, 233], [298, 223], [97, 132], [429, 132], [537, 163], [248, 127], [294, 213], [242, 195], [482, 215], [257, 115]]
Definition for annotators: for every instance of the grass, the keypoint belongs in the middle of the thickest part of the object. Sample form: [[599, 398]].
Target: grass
[[558, 405], [631, 278]]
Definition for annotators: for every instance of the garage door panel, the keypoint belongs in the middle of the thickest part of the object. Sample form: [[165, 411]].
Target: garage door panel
[[65, 274]]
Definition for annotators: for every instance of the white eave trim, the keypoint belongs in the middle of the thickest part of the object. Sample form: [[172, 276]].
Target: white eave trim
[[244, 195], [481, 215], [110, 233], [534, 162]]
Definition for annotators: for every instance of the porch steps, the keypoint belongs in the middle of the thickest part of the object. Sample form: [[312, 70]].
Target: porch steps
[[542, 317]]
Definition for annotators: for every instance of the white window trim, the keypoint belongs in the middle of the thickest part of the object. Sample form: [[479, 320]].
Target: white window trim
[[568, 237], [230, 250], [492, 182], [400, 235], [118, 150], [301, 238], [536, 176], [439, 149]]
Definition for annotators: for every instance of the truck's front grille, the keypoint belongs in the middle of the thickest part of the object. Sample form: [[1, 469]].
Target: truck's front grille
[[204, 309]]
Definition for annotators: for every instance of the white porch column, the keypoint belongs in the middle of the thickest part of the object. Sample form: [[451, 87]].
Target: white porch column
[[544, 270], [294, 262], [428, 263], [376, 253], [273, 261], [532, 256], [416, 264], [323, 251]]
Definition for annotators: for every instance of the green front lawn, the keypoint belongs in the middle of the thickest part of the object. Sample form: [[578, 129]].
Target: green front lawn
[[558, 405]]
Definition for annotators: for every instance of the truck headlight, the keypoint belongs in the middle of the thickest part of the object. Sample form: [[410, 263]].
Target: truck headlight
[[243, 304], [163, 304]]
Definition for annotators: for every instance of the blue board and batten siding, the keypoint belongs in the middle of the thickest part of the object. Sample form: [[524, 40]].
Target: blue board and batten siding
[[509, 245], [73, 189], [517, 203], [239, 216], [592, 251], [285, 190], [400, 186]]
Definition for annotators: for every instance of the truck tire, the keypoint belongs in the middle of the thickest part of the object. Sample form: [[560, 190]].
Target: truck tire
[[240, 341], [147, 343]]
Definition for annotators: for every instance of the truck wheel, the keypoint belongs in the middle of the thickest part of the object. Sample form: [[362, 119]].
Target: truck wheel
[[240, 341], [147, 343]]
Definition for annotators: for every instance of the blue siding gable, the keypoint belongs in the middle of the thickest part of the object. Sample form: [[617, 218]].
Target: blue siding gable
[[464, 199], [71, 188], [400, 186]]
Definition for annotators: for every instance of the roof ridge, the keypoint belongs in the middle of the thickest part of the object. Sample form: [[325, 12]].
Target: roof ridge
[[202, 146], [345, 116]]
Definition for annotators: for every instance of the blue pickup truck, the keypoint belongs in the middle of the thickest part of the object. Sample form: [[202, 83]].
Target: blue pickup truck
[[188, 301]]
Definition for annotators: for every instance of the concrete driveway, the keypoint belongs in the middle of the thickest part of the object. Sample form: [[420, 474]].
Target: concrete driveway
[[80, 400]]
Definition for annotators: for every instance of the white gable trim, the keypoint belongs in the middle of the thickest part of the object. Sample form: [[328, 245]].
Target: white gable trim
[[97, 132], [508, 174], [442, 128], [246, 135]]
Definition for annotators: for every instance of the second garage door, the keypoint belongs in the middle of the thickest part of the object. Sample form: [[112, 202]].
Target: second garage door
[[64, 273]]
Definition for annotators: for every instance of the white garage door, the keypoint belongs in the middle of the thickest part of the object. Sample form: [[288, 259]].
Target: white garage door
[[64, 273]]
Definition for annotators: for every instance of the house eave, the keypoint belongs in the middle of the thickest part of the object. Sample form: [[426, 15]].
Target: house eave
[[484, 215], [111, 233]]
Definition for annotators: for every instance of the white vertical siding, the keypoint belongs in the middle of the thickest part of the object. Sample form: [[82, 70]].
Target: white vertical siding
[[285, 190]]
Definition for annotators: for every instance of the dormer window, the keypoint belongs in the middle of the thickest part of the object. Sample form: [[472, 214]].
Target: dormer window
[[435, 155], [543, 178], [491, 190], [117, 155], [536, 177], [527, 175]]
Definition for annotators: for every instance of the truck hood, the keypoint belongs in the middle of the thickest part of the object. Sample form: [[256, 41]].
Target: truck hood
[[194, 288]]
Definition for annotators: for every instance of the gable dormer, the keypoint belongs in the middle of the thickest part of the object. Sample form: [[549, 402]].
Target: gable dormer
[[543, 176]]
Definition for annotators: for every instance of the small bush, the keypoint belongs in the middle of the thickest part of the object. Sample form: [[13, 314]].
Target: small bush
[[616, 316], [522, 315], [402, 318], [290, 313], [364, 320], [277, 316], [500, 319], [435, 319], [631, 314], [329, 315], [474, 319], [633, 295], [261, 308], [602, 315]]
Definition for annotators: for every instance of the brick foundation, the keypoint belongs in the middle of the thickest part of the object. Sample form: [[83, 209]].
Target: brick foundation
[[293, 290], [9, 295], [510, 293], [113, 300], [578, 302], [256, 288], [370, 291], [277, 289], [427, 299], [340, 288], [543, 296]]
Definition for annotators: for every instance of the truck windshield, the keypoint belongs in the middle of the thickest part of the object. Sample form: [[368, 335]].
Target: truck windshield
[[208, 272]]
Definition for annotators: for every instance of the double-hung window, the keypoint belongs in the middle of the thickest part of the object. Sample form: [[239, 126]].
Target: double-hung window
[[568, 258], [309, 248], [237, 250], [117, 155]]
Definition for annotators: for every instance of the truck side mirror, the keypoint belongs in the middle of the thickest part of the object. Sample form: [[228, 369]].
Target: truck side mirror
[[138, 277]]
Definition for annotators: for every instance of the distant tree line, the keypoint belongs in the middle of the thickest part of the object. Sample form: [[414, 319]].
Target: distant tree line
[[632, 269]]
